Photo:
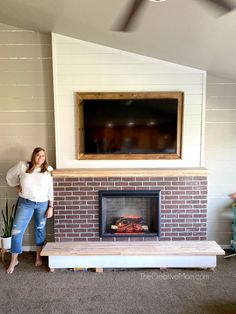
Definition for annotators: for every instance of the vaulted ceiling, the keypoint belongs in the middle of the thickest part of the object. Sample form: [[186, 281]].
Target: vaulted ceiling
[[187, 32]]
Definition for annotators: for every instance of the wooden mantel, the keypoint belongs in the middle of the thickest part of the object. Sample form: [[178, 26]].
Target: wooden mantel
[[141, 172]]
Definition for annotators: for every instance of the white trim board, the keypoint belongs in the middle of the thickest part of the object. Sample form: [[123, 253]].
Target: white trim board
[[171, 261]]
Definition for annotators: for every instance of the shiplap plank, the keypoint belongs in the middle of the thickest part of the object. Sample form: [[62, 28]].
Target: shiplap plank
[[193, 99], [26, 51], [12, 141], [26, 90], [219, 154], [195, 130], [226, 129], [97, 86], [25, 77], [192, 109], [222, 105], [105, 59], [192, 155], [24, 64], [193, 140], [124, 78], [222, 116], [26, 129], [193, 119], [16, 102]]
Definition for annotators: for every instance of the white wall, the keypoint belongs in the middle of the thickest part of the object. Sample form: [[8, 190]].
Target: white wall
[[26, 104], [26, 108], [81, 67], [220, 155]]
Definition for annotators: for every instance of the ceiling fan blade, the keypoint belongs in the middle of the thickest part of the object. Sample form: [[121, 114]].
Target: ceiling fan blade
[[224, 5], [126, 21]]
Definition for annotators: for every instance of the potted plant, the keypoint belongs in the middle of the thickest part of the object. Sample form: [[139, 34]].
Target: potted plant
[[8, 218]]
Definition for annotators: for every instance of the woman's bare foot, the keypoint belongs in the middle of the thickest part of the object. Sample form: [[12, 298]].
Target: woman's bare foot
[[14, 262], [38, 261]]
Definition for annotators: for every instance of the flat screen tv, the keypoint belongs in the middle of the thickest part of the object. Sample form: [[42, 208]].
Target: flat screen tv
[[130, 125]]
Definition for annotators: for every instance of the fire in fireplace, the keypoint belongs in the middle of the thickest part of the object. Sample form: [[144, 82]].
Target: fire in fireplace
[[129, 224], [129, 213]]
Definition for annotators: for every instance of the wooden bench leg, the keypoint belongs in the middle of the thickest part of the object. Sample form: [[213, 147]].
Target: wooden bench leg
[[212, 269], [99, 270]]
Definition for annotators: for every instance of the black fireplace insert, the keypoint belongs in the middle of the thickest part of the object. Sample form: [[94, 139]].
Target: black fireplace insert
[[129, 213]]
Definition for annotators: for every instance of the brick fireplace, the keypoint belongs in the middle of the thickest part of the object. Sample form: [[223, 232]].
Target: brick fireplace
[[183, 209]]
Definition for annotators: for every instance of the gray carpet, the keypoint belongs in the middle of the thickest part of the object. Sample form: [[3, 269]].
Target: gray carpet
[[34, 290]]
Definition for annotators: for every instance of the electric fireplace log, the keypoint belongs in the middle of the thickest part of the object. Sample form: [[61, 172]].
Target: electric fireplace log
[[146, 254], [144, 227]]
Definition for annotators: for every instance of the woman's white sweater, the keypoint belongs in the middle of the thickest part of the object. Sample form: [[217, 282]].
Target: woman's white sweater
[[35, 186]]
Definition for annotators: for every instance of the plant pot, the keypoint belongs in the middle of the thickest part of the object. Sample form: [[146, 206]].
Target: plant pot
[[6, 243]]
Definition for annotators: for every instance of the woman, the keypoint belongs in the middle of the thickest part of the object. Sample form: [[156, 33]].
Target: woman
[[33, 182]]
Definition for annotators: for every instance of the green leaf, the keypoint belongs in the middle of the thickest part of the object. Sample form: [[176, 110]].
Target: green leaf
[[8, 218]]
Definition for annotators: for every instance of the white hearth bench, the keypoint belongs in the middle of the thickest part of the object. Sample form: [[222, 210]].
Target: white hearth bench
[[119, 254]]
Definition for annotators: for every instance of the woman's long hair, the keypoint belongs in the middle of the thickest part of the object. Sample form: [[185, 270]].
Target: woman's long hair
[[31, 163]]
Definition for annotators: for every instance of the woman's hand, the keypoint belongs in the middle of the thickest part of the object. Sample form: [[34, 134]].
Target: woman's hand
[[49, 212], [18, 188]]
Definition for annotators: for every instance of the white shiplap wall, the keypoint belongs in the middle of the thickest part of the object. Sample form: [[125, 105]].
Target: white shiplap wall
[[85, 67], [26, 108], [220, 155], [26, 104]]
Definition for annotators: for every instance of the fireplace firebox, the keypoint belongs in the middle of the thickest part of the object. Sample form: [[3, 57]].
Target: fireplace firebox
[[129, 213]]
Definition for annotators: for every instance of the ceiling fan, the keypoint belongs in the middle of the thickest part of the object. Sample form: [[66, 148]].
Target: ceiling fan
[[126, 21]]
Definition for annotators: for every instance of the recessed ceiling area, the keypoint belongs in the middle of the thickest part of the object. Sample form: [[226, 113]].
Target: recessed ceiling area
[[187, 32]]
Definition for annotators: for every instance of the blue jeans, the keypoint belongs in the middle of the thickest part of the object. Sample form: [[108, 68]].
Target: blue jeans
[[25, 210]]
